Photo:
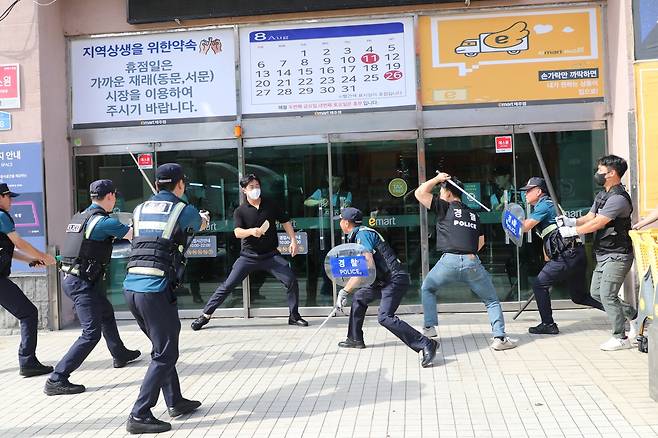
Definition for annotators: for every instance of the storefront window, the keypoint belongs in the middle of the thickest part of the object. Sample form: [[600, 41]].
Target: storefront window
[[378, 178], [296, 176]]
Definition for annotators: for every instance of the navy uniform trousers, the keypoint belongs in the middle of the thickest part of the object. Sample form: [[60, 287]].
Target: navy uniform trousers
[[569, 267], [157, 315], [391, 295], [14, 300], [243, 266], [96, 316]]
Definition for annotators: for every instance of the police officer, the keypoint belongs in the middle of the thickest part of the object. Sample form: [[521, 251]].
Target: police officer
[[610, 221], [459, 236], [391, 283], [85, 256], [255, 225], [12, 298], [565, 258], [161, 227]]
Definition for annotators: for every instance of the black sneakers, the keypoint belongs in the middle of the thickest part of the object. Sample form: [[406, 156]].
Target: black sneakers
[[131, 355], [198, 323], [351, 343], [62, 387], [544, 329], [183, 407], [38, 369], [298, 321], [136, 425]]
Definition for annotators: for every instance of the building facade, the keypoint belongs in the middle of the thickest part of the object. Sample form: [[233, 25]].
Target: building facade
[[330, 108]]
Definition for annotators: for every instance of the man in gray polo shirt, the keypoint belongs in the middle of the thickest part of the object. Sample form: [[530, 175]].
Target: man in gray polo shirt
[[610, 220]]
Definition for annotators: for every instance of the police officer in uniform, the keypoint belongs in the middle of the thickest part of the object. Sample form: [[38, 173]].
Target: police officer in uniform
[[161, 227], [255, 225], [565, 258], [391, 283], [459, 236], [85, 256], [610, 221], [12, 298]]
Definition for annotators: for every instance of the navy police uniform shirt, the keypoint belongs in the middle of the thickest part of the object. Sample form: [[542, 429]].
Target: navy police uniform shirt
[[458, 228], [6, 225], [544, 213], [247, 216], [107, 226]]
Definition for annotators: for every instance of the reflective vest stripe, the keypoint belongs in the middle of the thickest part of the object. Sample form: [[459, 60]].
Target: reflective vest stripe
[[147, 271], [152, 225], [173, 219], [136, 214], [549, 229], [90, 226]]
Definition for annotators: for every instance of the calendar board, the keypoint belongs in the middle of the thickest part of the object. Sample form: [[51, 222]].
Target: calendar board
[[328, 68]]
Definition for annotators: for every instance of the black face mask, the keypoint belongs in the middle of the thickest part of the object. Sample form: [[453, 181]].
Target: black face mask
[[599, 178]]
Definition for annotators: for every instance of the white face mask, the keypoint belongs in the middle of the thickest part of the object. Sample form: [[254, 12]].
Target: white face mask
[[253, 194]]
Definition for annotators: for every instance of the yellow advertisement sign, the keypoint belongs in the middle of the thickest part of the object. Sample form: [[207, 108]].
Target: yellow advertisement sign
[[646, 90], [511, 59]]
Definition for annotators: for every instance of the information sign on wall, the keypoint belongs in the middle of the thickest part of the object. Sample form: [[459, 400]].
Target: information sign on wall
[[646, 83], [10, 86], [328, 68], [511, 59], [153, 79]]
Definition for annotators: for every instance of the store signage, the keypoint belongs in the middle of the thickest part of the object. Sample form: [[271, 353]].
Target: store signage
[[503, 144], [328, 68], [397, 187], [153, 79], [149, 11], [645, 25], [284, 243], [202, 247], [474, 189], [646, 90], [511, 59], [21, 167], [145, 161], [10, 86], [5, 121]]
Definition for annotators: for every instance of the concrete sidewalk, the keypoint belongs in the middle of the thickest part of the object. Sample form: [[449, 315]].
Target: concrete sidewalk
[[254, 383]]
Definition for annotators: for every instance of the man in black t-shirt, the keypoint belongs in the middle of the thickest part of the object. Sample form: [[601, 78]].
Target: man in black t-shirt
[[459, 236], [255, 223]]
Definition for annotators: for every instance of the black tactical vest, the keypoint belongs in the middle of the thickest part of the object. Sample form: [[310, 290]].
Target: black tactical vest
[[458, 232], [387, 264], [82, 256], [6, 251], [613, 238]]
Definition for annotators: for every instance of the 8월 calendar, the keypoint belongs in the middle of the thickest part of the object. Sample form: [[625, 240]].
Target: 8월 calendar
[[328, 69]]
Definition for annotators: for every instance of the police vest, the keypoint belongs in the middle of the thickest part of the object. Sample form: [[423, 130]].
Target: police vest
[[554, 243], [459, 231], [387, 264], [6, 251], [158, 243], [613, 238], [82, 256]]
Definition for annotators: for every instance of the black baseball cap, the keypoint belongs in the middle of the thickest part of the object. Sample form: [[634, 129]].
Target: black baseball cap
[[535, 181], [4, 190], [169, 173], [101, 187], [351, 214]]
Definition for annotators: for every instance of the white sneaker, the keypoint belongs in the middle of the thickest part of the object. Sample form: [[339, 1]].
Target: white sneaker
[[632, 333], [503, 344], [430, 332], [614, 344]]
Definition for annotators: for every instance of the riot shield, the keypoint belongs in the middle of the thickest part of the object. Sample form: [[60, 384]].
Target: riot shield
[[512, 222], [348, 261]]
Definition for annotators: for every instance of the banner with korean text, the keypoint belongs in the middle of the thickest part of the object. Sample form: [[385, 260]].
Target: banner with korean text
[[153, 79]]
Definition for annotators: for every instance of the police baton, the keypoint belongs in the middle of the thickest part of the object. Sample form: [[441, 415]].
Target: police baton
[[551, 192], [468, 195], [315, 333]]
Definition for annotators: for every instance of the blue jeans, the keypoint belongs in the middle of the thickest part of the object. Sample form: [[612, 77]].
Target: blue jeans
[[456, 268]]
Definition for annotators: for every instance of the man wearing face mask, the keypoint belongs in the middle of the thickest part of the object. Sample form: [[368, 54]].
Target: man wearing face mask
[[610, 221], [255, 223]]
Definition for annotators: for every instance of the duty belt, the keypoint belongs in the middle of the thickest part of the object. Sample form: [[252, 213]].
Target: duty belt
[[68, 269]]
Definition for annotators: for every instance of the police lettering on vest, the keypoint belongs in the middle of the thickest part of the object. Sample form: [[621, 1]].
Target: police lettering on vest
[[158, 243], [458, 228], [6, 250], [613, 238], [82, 256]]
